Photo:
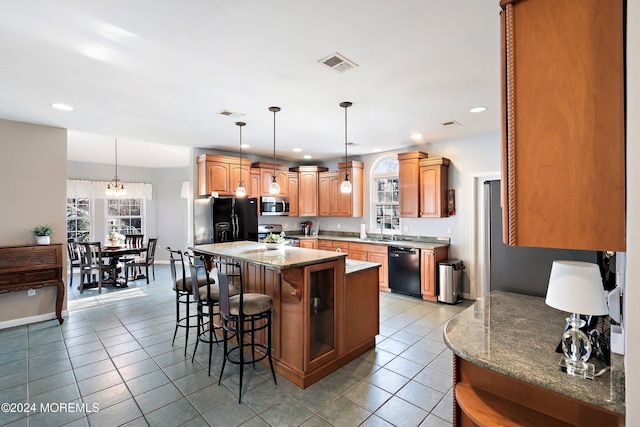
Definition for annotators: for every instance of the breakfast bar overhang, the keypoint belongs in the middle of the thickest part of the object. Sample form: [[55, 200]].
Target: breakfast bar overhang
[[325, 309]]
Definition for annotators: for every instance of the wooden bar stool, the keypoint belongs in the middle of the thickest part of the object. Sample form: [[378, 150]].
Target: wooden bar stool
[[242, 316]]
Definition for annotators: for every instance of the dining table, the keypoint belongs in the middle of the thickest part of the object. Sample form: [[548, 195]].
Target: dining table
[[116, 254]]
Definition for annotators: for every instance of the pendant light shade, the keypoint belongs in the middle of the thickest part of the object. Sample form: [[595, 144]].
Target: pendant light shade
[[346, 186], [274, 188], [115, 187], [240, 191]]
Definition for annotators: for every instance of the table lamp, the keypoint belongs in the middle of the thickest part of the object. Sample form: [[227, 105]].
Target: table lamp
[[576, 287]]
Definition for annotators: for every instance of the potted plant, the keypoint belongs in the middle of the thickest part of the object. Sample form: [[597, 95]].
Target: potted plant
[[42, 233]]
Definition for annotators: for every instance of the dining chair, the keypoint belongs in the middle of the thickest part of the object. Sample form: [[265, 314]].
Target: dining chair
[[92, 267], [147, 260], [243, 316], [74, 258], [134, 240]]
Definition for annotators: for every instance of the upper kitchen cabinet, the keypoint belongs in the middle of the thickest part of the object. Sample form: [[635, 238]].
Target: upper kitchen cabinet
[[307, 189], [266, 174], [332, 202], [351, 204], [423, 185], [294, 195], [409, 177], [563, 124], [434, 180], [221, 174]]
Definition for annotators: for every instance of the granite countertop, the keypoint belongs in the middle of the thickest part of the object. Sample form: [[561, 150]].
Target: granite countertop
[[353, 266], [516, 335], [257, 253], [432, 243]]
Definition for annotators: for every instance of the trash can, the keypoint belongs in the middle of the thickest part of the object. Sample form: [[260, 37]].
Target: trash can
[[450, 281]]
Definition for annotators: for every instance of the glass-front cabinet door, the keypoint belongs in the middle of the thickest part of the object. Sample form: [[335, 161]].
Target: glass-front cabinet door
[[322, 310]]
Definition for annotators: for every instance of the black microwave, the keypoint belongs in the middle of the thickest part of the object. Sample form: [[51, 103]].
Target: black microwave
[[274, 205]]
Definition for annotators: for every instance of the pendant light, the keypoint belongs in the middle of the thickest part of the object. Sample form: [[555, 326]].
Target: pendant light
[[115, 187], [346, 186], [240, 191], [274, 188]]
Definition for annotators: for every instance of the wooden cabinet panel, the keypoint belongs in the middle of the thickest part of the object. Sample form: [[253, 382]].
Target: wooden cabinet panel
[[361, 309], [308, 189], [221, 174], [327, 198], [266, 174], [254, 186], [409, 177], [351, 204], [325, 245], [293, 194], [383, 273], [308, 243], [434, 173], [563, 124], [428, 271]]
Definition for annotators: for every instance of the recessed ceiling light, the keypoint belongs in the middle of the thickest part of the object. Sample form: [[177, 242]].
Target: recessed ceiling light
[[63, 107], [478, 109], [297, 150], [377, 149], [245, 146], [416, 136], [307, 156]]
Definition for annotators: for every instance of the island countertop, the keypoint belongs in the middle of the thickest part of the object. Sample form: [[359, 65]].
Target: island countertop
[[516, 335], [257, 253]]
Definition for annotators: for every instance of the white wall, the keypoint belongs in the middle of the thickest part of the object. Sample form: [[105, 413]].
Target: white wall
[[33, 171]]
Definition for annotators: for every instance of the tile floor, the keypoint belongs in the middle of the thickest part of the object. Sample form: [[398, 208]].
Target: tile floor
[[112, 363]]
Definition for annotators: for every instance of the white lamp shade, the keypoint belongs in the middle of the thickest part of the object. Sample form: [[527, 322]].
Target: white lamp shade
[[345, 187], [576, 287], [274, 188]]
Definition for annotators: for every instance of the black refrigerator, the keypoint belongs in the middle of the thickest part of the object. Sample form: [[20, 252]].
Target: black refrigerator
[[224, 219]]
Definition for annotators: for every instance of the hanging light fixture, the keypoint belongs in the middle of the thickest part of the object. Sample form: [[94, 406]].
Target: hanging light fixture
[[274, 188], [346, 186], [240, 191], [115, 187]]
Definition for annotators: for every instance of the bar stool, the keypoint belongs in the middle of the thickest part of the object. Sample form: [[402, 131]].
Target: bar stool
[[184, 296], [243, 314], [206, 296]]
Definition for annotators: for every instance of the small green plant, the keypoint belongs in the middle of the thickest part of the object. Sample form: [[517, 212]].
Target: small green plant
[[274, 238], [43, 230]]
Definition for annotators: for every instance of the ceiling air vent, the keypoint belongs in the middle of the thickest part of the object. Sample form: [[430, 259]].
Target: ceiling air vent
[[230, 113], [450, 123], [337, 62]]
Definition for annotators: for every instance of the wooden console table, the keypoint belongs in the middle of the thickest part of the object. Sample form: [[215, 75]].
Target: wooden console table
[[32, 267]]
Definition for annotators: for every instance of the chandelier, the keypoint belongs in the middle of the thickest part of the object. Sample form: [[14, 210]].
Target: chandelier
[[115, 187]]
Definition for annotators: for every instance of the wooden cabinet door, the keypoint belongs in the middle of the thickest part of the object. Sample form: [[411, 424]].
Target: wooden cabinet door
[[428, 274], [324, 193], [358, 255], [434, 181], [308, 195], [325, 245], [218, 178], [308, 243], [383, 273], [282, 178], [236, 173], [254, 187], [334, 194], [293, 194], [345, 200], [409, 176], [563, 100]]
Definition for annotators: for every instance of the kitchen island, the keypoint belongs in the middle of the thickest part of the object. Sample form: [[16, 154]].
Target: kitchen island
[[325, 310], [506, 368]]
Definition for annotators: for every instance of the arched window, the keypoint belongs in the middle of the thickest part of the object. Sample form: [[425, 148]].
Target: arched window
[[385, 211]]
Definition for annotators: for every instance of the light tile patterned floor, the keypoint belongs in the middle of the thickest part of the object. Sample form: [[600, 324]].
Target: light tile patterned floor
[[112, 361]]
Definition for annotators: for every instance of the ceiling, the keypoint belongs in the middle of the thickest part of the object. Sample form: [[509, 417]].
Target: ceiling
[[155, 74]]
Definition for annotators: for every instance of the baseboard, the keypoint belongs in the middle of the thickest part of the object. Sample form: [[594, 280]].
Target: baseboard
[[31, 319]]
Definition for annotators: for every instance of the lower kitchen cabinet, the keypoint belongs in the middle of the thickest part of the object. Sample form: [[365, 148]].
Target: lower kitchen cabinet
[[308, 243], [429, 271], [373, 253]]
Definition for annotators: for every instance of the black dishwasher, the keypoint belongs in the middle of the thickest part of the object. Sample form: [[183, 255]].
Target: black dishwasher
[[404, 271]]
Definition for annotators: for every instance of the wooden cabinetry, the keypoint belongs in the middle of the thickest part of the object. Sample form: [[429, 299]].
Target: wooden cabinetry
[[429, 259], [254, 186], [308, 189], [351, 204], [266, 176], [373, 253], [409, 177], [334, 203], [221, 174], [434, 180], [294, 194], [309, 243], [563, 124]]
